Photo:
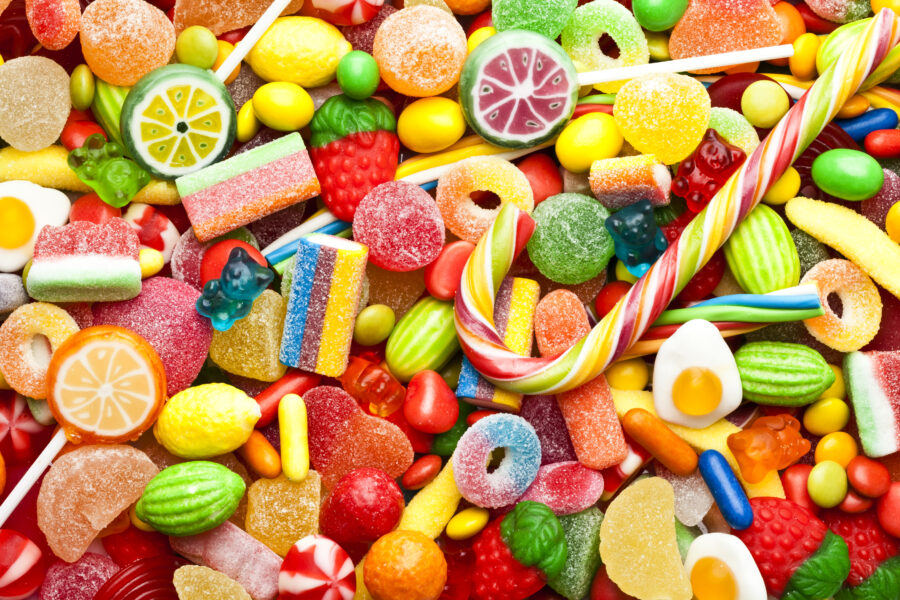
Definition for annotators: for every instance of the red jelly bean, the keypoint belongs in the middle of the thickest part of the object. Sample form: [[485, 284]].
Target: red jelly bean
[[91, 208], [889, 510], [485, 19], [292, 382], [133, 544], [479, 415], [430, 404], [215, 258], [868, 477], [884, 143], [854, 504], [443, 274], [814, 23], [794, 481], [76, 132], [609, 295], [543, 176], [421, 472]]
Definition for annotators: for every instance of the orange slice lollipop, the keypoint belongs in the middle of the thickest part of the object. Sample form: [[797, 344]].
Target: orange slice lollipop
[[105, 384]]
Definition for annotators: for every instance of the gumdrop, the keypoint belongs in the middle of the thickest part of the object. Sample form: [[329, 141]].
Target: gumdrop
[[583, 541], [250, 347], [396, 290], [638, 240], [544, 415], [566, 488], [279, 512], [362, 37], [79, 580], [34, 102], [54, 23], [546, 17], [12, 293], [186, 259]]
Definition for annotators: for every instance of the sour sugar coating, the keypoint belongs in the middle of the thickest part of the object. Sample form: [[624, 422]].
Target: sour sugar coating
[[462, 216], [193, 582], [841, 11], [622, 181], [34, 102], [401, 225], [221, 16], [546, 17], [420, 51], [544, 415], [54, 24], [250, 347], [692, 497], [873, 379], [734, 128], [281, 511], [79, 580], [516, 471]]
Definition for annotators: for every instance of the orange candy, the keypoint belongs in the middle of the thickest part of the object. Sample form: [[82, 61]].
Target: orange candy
[[105, 384], [2, 474], [651, 432], [405, 564]]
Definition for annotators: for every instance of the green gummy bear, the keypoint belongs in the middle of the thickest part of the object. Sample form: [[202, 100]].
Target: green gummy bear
[[535, 537], [102, 166]]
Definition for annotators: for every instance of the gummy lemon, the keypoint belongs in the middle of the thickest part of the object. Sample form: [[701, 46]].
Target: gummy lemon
[[302, 50], [206, 421]]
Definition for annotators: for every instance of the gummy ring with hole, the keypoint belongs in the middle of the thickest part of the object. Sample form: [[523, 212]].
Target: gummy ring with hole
[[861, 305], [24, 357], [461, 215], [516, 471]]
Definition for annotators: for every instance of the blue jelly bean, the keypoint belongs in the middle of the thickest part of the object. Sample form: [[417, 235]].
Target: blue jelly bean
[[726, 490], [859, 127], [637, 239]]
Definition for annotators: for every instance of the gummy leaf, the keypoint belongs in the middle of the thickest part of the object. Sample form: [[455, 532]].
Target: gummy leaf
[[883, 584], [341, 116], [823, 573], [535, 537]]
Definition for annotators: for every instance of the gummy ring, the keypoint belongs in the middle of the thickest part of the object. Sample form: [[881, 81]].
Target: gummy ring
[[861, 305], [505, 484], [24, 358]]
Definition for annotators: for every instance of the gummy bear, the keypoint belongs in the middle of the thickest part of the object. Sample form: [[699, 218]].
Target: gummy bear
[[229, 298], [638, 241], [102, 165], [219, 308], [373, 387], [770, 443], [703, 173]]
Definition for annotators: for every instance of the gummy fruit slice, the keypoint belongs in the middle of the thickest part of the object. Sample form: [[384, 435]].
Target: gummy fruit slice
[[518, 89], [105, 384], [177, 120]]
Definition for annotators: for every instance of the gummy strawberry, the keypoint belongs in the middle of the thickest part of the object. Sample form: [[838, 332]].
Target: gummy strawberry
[[354, 147], [870, 546], [498, 575], [797, 556], [703, 173]]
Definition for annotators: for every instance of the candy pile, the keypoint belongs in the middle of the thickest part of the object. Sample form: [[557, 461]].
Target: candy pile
[[449, 299]]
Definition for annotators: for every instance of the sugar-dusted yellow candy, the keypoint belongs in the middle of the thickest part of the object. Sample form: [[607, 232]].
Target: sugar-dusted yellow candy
[[158, 192], [280, 512], [432, 508], [638, 546], [47, 167], [250, 348], [202, 583], [851, 234]]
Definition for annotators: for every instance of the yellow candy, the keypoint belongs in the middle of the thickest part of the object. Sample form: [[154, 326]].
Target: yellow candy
[[854, 107], [658, 44], [892, 222], [630, 374], [433, 506], [825, 416], [250, 347], [158, 192], [851, 234], [879, 5], [136, 521], [839, 447], [785, 188], [623, 274], [467, 523], [151, 261], [1, 59], [803, 62], [594, 136], [292, 427], [431, 124], [247, 123], [837, 389], [478, 36], [280, 512], [225, 49], [47, 167], [764, 103], [283, 106]]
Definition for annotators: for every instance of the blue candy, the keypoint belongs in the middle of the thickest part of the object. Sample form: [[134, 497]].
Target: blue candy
[[637, 239], [726, 490], [859, 127], [219, 308], [229, 298]]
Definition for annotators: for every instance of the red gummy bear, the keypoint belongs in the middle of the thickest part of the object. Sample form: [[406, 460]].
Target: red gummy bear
[[703, 173], [770, 443]]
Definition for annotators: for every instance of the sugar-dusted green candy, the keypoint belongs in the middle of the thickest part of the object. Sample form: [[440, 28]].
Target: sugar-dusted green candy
[[583, 539]]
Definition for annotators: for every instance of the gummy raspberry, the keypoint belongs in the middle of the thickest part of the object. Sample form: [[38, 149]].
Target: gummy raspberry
[[703, 173], [498, 575], [868, 543]]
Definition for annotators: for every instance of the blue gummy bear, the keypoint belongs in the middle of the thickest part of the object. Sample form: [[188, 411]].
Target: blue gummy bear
[[102, 166], [637, 239], [219, 308], [243, 278]]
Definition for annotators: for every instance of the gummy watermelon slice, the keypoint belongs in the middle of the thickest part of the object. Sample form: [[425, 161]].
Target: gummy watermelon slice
[[518, 89], [873, 379]]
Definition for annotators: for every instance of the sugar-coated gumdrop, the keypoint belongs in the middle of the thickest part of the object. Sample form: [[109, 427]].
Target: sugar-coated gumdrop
[[250, 347], [544, 415], [202, 583], [637, 542], [733, 127], [702, 174], [399, 291], [665, 115], [692, 497], [22, 565], [187, 256], [54, 23], [582, 532], [316, 567], [85, 490], [565, 487], [401, 225], [362, 36], [221, 16], [77, 581], [841, 11], [281, 511], [546, 17], [34, 102], [638, 241]]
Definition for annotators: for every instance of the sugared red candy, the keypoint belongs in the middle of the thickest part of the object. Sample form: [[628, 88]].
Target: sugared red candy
[[79, 580]]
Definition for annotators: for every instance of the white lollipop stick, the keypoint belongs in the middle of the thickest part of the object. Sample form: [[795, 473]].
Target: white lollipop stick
[[33, 473], [243, 47], [694, 63]]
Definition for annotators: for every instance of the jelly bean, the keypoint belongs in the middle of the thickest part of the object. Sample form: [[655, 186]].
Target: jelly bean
[[226, 48], [261, 456], [478, 36], [632, 374], [294, 436], [292, 382], [151, 261], [764, 103], [792, 26], [283, 106], [854, 107], [827, 484], [874, 120], [136, 520], [883, 143], [442, 275], [868, 477], [484, 19], [836, 389], [825, 416], [888, 510], [466, 523], [839, 447], [374, 324], [609, 295], [854, 503], [82, 87], [248, 124], [76, 133], [892, 222], [592, 137], [197, 46], [726, 490], [652, 433], [847, 174], [786, 187], [421, 472], [803, 62], [358, 75], [794, 480], [91, 208], [658, 15], [431, 124], [430, 405], [543, 176], [814, 23], [658, 45], [445, 443]]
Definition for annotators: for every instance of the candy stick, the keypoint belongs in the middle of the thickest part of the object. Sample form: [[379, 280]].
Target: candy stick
[[31, 476], [695, 63], [624, 325], [245, 45]]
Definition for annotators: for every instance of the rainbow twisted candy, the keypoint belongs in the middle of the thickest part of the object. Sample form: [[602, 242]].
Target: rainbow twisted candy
[[649, 296]]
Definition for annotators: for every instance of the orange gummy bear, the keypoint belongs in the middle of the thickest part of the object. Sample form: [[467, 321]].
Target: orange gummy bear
[[769, 443]]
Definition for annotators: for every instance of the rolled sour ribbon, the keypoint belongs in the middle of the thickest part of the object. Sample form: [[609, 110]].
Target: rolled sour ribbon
[[624, 325]]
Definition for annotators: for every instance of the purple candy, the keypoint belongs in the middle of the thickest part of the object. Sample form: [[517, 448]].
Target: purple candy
[[544, 415], [79, 580], [566, 487], [876, 208]]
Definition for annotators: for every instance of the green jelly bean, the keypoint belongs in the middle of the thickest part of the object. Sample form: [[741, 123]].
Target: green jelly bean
[[848, 174], [374, 324], [827, 484], [82, 87]]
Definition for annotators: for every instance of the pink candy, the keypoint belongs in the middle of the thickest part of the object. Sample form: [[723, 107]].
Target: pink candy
[[566, 487], [79, 580]]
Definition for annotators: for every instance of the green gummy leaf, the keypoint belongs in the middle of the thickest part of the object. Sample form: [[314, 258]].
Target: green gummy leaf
[[535, 537], [883, 584], [341, 116], [823, 573]]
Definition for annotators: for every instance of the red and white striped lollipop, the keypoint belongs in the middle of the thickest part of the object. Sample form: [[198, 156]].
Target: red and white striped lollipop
[[316, 568], [21, 566]]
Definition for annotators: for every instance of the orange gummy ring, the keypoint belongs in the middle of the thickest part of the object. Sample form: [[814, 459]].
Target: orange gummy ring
[[105, 384]]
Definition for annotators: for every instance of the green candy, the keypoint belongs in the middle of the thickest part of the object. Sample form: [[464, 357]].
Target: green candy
[[782, 374], [107, 107], [358, 74], [848, 174], [761, 253], [823, 573], [658, 15], [546, 17], [535, 537], [582, 532], [443, 444], [883, 584], [82, 87], [425, 338]]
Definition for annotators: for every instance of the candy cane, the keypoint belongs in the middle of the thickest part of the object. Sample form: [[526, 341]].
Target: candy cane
[[649, 296]]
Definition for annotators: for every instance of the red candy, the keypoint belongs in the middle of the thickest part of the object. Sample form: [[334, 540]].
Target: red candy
[[292, 382], [132, 545], [145, 579], [91, 208], [75, 133], [443, 274], [347, 12], [54, 23], [430, 404], [794, 480], [853, 503], [884, 143], [543, 176], [316, 568], [868, 477], [216, 256], [421, 472], [610, 295], [21, 565], [17, 428], [703, 173], [80, 580], [460, 562], [604, 589], [706, 279], [889, 510]]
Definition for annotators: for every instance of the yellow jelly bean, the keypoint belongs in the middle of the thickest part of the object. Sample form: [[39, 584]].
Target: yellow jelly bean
[[151, 262], [622, 273], [431, 125], [294, 433], [478, 36], [825, 416], [854, 107], [839, 447], [283, 106], [878, 5], [803, 62], [136, 521], [247, 123], [827, 484], [633, 374], [225, 49], [592, 137], [787, 187], [658, 44], [467, 523], [837, 389]]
